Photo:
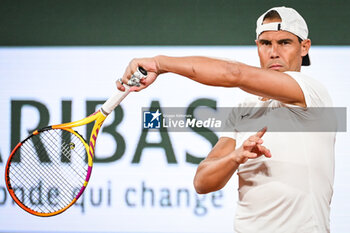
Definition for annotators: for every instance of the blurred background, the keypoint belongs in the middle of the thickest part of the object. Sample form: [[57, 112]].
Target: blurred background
[[159, 22], [59, 60]]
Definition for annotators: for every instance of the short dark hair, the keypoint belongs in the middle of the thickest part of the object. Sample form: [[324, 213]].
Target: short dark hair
[[272, 15]]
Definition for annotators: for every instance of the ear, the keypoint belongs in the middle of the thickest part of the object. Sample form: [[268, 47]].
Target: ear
[[305, 46]]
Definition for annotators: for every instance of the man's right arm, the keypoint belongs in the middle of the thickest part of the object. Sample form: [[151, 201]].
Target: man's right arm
[[215, 72]]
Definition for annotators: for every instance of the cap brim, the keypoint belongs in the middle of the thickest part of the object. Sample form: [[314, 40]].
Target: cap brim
[[306, 60]]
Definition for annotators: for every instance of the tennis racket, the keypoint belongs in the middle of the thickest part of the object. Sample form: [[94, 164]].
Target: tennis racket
[[48, 171]]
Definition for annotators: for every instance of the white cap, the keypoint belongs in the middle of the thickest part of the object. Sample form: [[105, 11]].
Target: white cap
[[291, 21]]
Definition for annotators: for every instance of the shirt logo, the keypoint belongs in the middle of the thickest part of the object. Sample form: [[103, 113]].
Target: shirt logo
[[244, 116]]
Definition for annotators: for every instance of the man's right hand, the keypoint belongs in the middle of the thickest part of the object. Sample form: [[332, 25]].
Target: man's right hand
[[149, 64]]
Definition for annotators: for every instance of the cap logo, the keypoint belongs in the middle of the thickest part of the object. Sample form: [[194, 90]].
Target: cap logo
[[279, 27]]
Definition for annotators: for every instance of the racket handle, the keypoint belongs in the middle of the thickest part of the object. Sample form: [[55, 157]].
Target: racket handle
[[114, 100], [118, 96]]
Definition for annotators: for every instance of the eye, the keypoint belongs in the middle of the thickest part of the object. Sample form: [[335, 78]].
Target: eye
[[265, 42], [285, 42]]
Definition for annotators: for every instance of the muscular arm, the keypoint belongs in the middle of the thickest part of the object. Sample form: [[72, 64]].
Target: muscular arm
[[215, 171], [210, 71], [265, 83]]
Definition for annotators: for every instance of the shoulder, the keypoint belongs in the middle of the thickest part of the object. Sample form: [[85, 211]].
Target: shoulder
[[251, 101], [315, 93]]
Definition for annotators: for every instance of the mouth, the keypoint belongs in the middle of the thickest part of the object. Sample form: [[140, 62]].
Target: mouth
[[275, 66]]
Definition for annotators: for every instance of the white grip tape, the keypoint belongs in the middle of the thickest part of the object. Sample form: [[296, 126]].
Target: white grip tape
[[114, 100]]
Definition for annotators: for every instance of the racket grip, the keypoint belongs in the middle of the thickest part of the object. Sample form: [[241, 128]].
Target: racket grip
[[114, 100], [118, 96]]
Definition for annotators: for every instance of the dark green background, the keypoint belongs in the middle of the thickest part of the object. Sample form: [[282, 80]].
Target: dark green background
[[159, 22]]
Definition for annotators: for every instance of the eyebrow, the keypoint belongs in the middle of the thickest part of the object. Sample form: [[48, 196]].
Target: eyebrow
[[284, 40], [263, 41], [279, 41]]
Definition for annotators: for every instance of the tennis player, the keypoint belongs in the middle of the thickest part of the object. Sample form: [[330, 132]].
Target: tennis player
[[285, 178]]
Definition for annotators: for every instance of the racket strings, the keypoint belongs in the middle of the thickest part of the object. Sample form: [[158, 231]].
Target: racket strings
[[50, 173], [28, 200], [27, 196], [67, 154], [50, 176], [52, 169]]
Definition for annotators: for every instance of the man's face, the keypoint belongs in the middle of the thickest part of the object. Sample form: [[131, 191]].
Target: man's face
[[281, 50]]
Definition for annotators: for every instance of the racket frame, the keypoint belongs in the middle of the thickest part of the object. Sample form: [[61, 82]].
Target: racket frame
[[99, 118]]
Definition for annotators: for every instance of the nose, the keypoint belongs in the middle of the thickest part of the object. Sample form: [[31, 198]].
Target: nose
[[274, 51]]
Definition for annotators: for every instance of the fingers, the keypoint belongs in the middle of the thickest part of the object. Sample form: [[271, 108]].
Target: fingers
[[250, 155], [130, 70], [253, 155], [241, 155], [137, 81], [254, 145], [120, 85], [261, 132], [136, 88], [262, 150], [252, 141], [143, 81], [130, 77], [252, 148]]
